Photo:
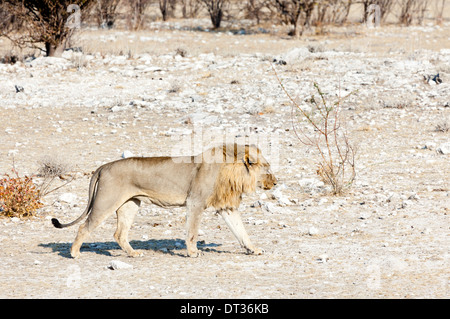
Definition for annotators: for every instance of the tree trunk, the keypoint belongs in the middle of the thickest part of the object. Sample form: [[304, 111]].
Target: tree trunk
[[297, 27], [216, 18], [50, 49], [163, 8], [53, 50]]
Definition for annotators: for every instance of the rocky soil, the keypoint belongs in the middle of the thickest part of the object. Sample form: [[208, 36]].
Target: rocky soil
[[169, 92]]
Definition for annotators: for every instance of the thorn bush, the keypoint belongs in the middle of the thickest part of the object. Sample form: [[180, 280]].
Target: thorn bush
[[19, 197]]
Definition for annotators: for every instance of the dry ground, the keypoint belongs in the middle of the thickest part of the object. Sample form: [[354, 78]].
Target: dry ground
[[388, 237]]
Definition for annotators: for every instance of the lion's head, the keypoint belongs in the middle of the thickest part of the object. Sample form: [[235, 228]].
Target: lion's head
[[242, 169]]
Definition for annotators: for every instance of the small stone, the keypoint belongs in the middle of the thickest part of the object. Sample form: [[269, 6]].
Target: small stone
[[323, 258], [313, 231], [118, 108], [127, 154], [69, 198], [282, 199], [269, 207], [117, 264], [444, 149]]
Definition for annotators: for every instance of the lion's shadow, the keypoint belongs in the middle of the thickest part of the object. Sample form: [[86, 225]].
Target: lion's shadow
[[164, 246]]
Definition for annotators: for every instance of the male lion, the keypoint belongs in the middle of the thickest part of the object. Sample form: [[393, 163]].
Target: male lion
[[215, 178]]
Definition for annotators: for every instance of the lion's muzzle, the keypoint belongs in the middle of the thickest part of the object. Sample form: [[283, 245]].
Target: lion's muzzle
[[268, 181]]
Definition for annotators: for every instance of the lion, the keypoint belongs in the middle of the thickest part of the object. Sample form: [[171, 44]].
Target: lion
[[215, 178]]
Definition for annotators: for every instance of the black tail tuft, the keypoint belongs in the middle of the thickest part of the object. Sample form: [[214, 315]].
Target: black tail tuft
[[56, 223]]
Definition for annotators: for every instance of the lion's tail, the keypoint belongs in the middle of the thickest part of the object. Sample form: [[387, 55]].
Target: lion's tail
[[92, 192]]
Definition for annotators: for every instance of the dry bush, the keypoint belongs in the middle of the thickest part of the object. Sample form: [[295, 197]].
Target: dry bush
[[411, 10], [167, 8], [216, 10], [22, 196], [52, 169], [19, 196], [332, 11], [33, 23], [325, 133], [136, 11], [190, 8], [442, 127], [439, 6], [385, 7], [297, 13], [105, 12], [259, 10]]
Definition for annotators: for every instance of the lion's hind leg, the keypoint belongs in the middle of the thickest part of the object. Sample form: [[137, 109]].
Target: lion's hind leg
[[125, 217], [234, 221], [103, 207]]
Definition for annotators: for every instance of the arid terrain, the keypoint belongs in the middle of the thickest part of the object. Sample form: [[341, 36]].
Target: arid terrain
[[149, 93]]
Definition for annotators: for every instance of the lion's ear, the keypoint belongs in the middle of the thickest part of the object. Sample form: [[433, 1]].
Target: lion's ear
[[248, 162]]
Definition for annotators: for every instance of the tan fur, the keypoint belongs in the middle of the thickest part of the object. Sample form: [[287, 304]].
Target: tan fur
[[216, 178], [232, 182]]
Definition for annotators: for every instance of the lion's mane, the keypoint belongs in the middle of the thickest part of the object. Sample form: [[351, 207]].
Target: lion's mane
[[237, 175]]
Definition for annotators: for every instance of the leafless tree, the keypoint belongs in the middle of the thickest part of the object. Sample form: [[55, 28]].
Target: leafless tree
[[167, 8], [412, 9], [105, 12], [324, 131], [333, 11], [216, 9], [257, 10], [295, 12], [136, 13], [190, 8], [439, 7], [39, 22], [385, 7]]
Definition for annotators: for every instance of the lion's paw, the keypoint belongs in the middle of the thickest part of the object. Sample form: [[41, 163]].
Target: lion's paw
[[75, 254], [255, 251], [135, 254], [195, 254]]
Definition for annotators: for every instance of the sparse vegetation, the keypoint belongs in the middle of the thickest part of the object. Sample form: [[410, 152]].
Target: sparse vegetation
[[359, 245], [51, 169], [411, 10], [19, 196], [216, 10], [442, 127], [326, 134], [22, 196], [51, 24], [105, 12], [31, 23]]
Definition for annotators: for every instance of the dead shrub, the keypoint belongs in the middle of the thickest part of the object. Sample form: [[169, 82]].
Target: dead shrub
[[136, 13], [52, 169], [216, 10], [411, 10], [442, 127], [29, 23], [19, 196], [297, 13], [105, 12], [325, 133]]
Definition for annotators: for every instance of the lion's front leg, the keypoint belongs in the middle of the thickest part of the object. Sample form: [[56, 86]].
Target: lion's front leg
[[193, 219], [234, 221]]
